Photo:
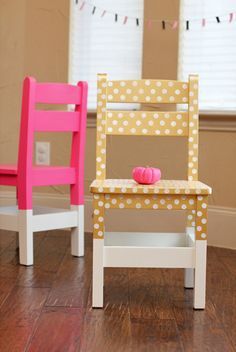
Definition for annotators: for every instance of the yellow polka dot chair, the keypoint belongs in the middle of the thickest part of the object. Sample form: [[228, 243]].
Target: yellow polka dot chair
[[150, 250]]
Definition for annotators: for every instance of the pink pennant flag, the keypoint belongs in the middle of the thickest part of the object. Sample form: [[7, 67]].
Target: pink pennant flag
[[103, 14], [149, 24], [203, 22], [175, 24], [82, 6], [231, 17], [125, 19]]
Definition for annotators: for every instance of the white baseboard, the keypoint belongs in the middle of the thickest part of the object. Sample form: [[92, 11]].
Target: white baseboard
[[221, 230]]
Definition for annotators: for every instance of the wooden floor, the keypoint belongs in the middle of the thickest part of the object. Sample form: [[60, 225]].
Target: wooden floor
[[48, 307]]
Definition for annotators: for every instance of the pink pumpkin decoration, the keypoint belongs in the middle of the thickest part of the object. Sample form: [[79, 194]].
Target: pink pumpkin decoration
[[146, 175]]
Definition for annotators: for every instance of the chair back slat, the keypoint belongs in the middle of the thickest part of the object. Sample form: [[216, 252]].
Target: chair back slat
[[57, 93], [147, 123], [147, 91], [56, 121]]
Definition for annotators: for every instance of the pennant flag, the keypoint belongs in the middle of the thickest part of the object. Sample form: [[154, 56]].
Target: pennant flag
[[125, 19], [187, 25], [82, 6], [175, 24], [116, 17], [103, 14], [203, 22], [218, 19], [163, 25], [94, 9], [137, 21], [231, 17]]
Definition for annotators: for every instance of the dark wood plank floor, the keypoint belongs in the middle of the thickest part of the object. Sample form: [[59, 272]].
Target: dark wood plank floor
[[47, 307]]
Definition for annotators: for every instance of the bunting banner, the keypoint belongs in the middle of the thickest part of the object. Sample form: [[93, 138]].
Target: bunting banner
[[164, 23]]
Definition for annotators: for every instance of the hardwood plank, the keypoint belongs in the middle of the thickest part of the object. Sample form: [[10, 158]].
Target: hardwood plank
[[143, 293], [58, 329], [18, 316], [225, 305], [200, 330], [155, 335], [6, 287], [48, 257], [72, 282], [6, 238], [52, 250], [107, 329]]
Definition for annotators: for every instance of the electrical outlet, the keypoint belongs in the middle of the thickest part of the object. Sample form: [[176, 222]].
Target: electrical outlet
[[42, 153]]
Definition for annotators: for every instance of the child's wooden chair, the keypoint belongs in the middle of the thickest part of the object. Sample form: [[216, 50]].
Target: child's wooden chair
[[187, 250], [24, 219]]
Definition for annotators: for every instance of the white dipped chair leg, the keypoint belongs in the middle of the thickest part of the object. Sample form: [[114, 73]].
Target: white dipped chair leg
[[26, 237], [189, 278], [77, 233], [98, 273], [200, 275], [189, 272]]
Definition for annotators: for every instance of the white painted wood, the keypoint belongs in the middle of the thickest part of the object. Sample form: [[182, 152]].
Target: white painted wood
[[149, 257], [26, 237], [143, 239], [51, 221], [200, 274], [77, 233], [189, 277], [189, 272], [42, 219], [98, 273]]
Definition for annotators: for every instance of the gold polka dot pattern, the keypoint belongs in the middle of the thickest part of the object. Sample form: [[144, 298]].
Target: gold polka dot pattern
[[191, 218], [147, 123], [201, 218], [193, 129], [101, 128], [98, 216], [120, 186], [196, 204], [147, 91], [163, 202]]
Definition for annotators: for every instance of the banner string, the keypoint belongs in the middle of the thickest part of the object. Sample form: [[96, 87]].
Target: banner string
[[173, 23]]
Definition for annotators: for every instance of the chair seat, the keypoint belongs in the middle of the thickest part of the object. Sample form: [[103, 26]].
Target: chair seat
[[8, 169], [129, 186]]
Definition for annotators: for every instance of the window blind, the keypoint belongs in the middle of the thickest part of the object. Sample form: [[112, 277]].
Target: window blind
[[209, 51], [103, 45]]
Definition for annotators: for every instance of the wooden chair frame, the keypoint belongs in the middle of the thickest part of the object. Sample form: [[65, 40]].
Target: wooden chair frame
[[186, 250], [24, 176]]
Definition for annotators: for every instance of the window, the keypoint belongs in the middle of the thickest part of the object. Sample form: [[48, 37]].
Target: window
[[210, 51], [102, 45]]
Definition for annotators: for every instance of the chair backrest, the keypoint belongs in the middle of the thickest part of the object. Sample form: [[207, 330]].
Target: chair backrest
[[148, 123], [33, 120]]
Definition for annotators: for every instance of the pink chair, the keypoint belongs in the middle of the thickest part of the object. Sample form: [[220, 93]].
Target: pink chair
[[24, 219]]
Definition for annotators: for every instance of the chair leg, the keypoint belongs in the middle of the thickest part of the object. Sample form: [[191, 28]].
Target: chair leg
[[26, 237], [98, 273], [189, 278], [200, 253], [200, 275], [189, 272], [77, 233], [98, 246]]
